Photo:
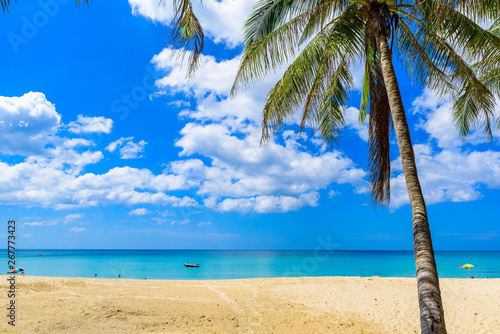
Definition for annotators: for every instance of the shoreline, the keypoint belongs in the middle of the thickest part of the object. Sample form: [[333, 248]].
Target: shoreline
[[260, 305], [238, 279]]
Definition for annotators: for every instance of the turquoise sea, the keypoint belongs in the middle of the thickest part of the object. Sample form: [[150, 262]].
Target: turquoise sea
[[230, 264]]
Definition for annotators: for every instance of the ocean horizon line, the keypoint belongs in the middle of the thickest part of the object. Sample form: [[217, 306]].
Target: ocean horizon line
[[227, 264], [257, 250]]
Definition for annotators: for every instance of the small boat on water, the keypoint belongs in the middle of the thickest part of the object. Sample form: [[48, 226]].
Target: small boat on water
[[196, 265]]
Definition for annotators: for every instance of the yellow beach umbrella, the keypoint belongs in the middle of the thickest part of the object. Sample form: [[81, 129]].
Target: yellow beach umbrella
[[467, 267]]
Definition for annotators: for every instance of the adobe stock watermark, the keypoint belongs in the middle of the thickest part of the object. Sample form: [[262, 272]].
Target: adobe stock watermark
[[321, 253], [30, 27], [128, 101]]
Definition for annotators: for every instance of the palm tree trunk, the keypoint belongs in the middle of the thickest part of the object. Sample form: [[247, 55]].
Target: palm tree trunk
[[429, 294]]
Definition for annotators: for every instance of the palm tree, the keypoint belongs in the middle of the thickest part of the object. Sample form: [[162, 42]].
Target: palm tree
[[436, 41]]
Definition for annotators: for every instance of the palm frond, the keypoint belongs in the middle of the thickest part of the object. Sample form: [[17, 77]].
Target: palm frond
[[415, 59], [379, 129], [435, 40], [5, 5], [379, 125], [474, 102], [273, 48], [329, 114], [463, 32], [306, 80], [365, 94], [319, 18], [495, 28], [289, 92], [268, 15], [477, 10], [186, 34]]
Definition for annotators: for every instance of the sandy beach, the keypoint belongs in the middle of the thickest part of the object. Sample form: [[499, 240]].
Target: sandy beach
[[265, 305]]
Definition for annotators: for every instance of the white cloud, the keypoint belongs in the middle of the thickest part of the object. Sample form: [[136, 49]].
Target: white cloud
[[216, 77], [139, 212], [448, 176], [222, 21], [47, 184], [132, 150], [180, 222], [185, 201], [351, 118], [73, 216], [159, 221], [241, 175], [114, 145], [152, 10], [332, 193], [26, 123], [266, 204], [86, 124], [128, 149], [76, 142], [438, 122], [241, 168], [43, 223], [54, 178], [77, 229], [179, 103]]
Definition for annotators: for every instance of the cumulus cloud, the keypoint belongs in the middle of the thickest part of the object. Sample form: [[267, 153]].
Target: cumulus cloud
[[240, 175], [266, 204], [85, 124], [180, 222], [132, 150], [139, 212], [214, 76], [351, 118], [43, 183], [43, 223], [128, 149], [54, 177], [26, 123], [77, 229], [222, 21], [437, 121], [449, 175], [241, 168], [73, 216], [77, 142]]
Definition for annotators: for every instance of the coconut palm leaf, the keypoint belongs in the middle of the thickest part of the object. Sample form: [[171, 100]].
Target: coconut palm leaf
[[473, 101], [365, 94], [186, 34], [417, 61], [5, 5], [276, 47], [478, 10], [314, 72]]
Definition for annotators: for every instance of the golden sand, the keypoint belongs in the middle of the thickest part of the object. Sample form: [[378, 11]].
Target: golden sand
[[264, 305]]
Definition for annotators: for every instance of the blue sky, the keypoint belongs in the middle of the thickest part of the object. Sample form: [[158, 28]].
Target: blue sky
[[105, 144]]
